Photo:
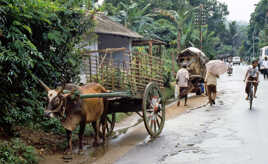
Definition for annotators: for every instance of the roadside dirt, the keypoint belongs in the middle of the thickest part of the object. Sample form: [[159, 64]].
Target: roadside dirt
[[128, 133]]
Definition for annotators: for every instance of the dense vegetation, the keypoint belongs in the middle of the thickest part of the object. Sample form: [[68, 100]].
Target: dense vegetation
[[37, 41], [175, 22], [257, 31], [17, 152]]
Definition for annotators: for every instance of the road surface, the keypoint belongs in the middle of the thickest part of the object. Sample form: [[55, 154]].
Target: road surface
[[227, 133]]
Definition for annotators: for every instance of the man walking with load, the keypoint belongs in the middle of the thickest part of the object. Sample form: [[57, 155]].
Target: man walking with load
[[182, 79], [211, 83]]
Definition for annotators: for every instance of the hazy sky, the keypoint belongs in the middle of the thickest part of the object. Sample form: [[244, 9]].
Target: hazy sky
[[100, 1], [240, 10]]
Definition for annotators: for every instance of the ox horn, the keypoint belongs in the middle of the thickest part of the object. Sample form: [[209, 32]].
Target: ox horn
[[44, 85]]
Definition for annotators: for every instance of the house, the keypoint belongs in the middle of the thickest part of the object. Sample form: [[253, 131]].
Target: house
[[108, 35]]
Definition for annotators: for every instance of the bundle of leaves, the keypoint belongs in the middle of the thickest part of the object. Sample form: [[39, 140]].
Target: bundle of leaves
[[37, 39]]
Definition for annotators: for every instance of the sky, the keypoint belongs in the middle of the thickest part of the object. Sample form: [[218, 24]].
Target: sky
[[100, 1], [240, 10]]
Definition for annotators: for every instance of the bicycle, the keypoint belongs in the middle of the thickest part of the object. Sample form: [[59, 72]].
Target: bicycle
[[250, 93]]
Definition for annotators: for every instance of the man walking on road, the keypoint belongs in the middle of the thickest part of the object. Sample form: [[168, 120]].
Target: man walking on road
[[182, 79], [211, 83], [265, 68]]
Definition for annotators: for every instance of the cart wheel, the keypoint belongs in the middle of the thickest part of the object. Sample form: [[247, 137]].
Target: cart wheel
[[153, 109], [109, 120]]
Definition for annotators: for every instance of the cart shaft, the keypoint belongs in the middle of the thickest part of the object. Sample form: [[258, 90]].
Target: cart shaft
[[101, 95]]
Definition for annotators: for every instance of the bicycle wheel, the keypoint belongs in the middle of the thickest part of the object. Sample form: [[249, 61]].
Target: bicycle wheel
[[250, 96]]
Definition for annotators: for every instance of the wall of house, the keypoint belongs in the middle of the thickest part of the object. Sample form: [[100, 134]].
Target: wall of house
[[113, 41], [85, 69], [120, 59]]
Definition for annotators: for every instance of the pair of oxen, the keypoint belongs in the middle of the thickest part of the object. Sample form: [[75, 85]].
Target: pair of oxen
[[75, 111]]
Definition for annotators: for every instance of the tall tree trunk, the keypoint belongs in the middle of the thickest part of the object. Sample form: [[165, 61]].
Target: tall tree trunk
[[179, 40]]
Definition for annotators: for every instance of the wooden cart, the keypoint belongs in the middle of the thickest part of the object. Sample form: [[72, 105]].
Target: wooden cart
[[195, 60], [134, 78]]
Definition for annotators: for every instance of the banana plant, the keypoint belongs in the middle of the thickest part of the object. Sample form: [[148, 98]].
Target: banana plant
[[209, 42], [133, 17], [178, 18]]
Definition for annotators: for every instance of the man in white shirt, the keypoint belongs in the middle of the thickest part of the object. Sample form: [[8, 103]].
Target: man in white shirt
[[265, 68], [182, 79]]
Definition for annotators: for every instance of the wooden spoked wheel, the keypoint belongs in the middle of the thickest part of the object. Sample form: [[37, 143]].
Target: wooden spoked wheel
[[153, 109], [109, 120]]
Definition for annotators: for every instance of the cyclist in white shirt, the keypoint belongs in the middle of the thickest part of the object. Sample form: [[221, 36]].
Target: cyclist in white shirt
[[252, 75]]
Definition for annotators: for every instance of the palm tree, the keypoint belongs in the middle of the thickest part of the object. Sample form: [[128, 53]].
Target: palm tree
[[178, 18], [131, 16], [209, 43]]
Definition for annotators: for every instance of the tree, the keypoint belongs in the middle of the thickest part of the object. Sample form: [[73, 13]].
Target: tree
[[257, 27], [179, 19], [38, 40], [133, 17]]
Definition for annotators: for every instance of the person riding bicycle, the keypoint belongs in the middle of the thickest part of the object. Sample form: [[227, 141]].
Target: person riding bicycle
[[252, 75]]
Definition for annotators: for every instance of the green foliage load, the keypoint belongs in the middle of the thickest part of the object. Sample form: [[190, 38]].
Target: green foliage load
[[132, 74], [37, 38], [17, 152]]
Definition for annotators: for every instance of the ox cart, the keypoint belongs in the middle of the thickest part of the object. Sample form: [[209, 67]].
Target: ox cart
[[195, 60], [134, 79]]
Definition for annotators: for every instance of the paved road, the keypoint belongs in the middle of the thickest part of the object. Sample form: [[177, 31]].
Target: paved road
[[228, 133]]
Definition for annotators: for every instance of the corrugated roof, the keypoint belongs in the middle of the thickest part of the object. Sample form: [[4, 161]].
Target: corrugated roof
[[105, 25]]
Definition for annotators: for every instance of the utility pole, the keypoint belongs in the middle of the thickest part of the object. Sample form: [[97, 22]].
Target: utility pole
[[253, 38], [200, 27], [200, 19], [266, 24]]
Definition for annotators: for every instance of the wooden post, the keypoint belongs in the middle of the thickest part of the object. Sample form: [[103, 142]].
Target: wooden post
[[150, 56], [97, 71], [90, 73], [112, 74], [160, 51], [173, 64], [150, 48]]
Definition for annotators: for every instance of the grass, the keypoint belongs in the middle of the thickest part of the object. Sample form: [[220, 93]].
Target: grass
[[168, 93], [120, 116]]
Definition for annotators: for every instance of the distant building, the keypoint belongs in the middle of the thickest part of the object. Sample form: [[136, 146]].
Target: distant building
[[225, 57]]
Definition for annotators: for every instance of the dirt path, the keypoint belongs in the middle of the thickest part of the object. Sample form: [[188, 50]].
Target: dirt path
[[125, 139]]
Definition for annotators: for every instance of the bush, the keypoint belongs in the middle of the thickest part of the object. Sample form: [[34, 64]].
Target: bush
[[168, 92], [17, 152], [37, 40]]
